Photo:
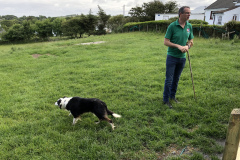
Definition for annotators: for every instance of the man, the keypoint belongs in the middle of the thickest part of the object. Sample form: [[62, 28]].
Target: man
[[178, 35]]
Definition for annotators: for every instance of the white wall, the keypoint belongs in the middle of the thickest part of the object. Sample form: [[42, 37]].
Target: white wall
[[208, 13], [226, 16], [198, 16], [162, 16], [159, 16]]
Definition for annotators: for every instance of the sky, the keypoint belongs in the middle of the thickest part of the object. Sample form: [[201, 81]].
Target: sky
[[55, 8]]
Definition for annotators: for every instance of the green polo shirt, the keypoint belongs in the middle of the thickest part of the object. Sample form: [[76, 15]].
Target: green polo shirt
[[178, 35]]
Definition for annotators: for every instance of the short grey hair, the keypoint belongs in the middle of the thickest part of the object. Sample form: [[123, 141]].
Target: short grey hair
[[181, 10]]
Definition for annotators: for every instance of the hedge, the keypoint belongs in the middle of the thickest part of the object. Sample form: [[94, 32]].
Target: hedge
[[146, 26], [200, 28]]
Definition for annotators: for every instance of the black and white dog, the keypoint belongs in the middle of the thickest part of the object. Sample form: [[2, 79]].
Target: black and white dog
[[77, 106]]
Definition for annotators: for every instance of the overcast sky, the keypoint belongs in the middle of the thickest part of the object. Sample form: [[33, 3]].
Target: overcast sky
[[54, 8]]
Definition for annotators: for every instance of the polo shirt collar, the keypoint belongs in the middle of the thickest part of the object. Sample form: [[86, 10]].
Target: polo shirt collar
[[177, 23]]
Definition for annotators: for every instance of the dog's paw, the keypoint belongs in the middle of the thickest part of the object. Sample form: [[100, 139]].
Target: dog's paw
[[97, 122], [75, 121], [112, 126]]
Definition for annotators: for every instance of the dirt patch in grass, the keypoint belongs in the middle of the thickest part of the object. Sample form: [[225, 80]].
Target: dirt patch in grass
[[38, 55], [89, 43], [174, 151]]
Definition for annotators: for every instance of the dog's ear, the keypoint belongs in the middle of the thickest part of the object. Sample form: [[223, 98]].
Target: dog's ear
[[64, 96], [58, 102]]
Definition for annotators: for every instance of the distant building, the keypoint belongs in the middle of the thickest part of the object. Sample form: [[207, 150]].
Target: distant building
[[197, 13], [222, 11], [165, 16], [1, 30]]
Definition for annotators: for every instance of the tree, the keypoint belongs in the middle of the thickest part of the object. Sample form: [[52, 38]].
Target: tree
[[15, 33], [102, 21], [138, 14], [28, 31], [152, 8], [148, 10], [19, 32], [9, 17], [171, 7], [74, 26], [43, 28], [6, 24], [67, 28], [40, 17], [57, 26], [82, 25], [90, 23], [32, 19], [115, 23]]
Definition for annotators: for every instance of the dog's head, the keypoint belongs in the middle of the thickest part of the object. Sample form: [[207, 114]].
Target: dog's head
[[62, 102]]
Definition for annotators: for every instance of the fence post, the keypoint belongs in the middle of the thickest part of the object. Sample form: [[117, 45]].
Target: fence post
[[233, 136], [200, 30]]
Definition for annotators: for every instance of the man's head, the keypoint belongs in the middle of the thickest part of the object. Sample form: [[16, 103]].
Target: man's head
[[184, 13]]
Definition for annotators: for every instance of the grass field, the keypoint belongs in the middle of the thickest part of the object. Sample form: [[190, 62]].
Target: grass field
[[128, 73]]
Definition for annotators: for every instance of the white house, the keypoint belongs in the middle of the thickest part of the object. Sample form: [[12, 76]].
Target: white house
[[222, 11], [197, 13], [165, 16]]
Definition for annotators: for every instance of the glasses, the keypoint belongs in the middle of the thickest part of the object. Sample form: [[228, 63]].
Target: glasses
[[187, 13]]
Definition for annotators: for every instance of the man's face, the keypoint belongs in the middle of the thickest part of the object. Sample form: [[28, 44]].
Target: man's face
[[185, 16]]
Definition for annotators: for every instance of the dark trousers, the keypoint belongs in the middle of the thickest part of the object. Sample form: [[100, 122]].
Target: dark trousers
[[174, 68]]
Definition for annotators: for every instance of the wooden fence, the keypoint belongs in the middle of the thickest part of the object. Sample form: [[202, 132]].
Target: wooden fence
[[233, 137]]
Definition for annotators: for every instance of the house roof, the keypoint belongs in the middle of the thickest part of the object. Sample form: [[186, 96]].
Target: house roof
[[222, 4], [198, 10], [229, 9]]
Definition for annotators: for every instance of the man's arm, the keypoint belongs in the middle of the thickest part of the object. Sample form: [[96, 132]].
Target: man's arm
[[168, 43], [190, 43]]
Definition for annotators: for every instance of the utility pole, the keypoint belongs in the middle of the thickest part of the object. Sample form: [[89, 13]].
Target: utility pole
[[123, 10]]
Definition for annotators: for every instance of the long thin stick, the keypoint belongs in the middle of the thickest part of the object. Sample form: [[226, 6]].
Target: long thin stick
[[191, 73]]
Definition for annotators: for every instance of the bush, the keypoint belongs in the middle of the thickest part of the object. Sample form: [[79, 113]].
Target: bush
[[233, 26], [195, 21], [148, 25], [15, 33]]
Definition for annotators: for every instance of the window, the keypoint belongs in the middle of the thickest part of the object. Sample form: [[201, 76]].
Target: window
[[234, 17], [219, 20], [211, 15]]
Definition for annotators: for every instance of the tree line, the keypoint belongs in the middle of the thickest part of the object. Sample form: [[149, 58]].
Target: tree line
[[28, 28]]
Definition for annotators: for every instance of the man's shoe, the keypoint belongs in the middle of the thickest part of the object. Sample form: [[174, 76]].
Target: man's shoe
[[175, 100], [168, 104]]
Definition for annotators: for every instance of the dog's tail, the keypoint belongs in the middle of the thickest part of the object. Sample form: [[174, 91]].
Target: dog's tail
[[110, 112], [116, 115], [113, 114]]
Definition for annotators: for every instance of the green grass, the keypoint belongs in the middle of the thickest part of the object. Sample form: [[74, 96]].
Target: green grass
[[128, 73]]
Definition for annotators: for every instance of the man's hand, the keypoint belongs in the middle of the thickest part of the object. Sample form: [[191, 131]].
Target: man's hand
[[183, 49], [190, 44]]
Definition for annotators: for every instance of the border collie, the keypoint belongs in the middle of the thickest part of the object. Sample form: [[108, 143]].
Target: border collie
[[77, 106]]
